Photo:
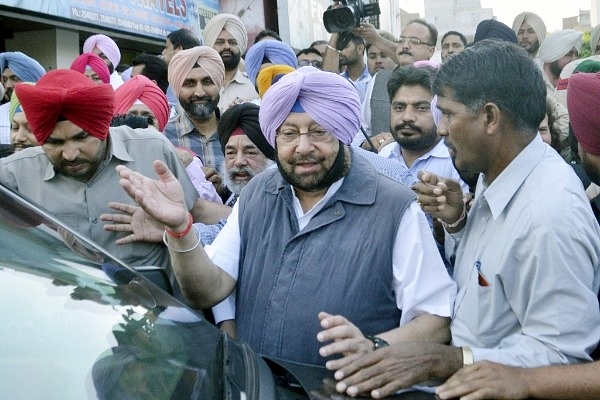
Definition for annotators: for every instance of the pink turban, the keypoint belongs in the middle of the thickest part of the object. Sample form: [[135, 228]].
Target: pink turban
[[94, 62], [232, 24], [583, 103], [69, 94], [331, 100], [106, 46], [143, 89], [184, 61]]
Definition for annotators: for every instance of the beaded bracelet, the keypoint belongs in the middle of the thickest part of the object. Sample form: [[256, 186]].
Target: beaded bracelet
[[185, 231], [181, 251]]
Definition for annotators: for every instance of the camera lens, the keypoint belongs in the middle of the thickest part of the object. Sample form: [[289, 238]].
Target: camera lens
[[339, 19]]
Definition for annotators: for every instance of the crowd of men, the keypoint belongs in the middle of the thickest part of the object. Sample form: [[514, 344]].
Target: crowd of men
[[354, 204]]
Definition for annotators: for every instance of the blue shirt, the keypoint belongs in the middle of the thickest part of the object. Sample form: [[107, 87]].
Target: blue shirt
[[361, 83]]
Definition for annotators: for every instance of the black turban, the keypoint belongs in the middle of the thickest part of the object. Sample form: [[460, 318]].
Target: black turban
[[493, 29], [244, 116]]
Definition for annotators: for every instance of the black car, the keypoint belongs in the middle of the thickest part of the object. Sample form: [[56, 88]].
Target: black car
[[79, 324]]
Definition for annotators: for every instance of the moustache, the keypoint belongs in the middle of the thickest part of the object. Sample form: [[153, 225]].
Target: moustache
[[200, 98], [404, 53], [306, 159], [410, 125]]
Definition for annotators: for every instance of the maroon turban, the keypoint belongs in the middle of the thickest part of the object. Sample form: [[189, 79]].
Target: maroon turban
[[582, 103], [95, 63], [143, 89], [64, 93]]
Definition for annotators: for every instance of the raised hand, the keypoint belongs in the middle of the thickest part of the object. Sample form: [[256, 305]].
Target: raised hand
[[162, 199], [135, 221]]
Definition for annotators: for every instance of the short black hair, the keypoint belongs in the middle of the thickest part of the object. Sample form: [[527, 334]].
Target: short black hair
[[309, 50], [267, 33], [409, 75], [155, 69], [462, 37], [184, 38]]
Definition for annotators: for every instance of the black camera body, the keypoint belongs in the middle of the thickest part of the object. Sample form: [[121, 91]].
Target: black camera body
[[348, 16]]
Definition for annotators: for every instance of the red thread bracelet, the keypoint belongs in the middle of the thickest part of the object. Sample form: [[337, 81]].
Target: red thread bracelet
[[187, 229]]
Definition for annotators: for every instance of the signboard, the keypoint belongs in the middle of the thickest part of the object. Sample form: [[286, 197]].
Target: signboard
[[153, 18]]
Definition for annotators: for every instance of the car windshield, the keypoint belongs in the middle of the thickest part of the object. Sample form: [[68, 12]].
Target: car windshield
[[76, 324]]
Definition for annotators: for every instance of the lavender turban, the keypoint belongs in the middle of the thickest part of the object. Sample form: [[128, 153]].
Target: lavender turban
[[184, 61], [95, 63], [25, 68], [534, 21], [582, 103], [277, 52], [559, 44], [331, 100], [232, 24], [106, 46]]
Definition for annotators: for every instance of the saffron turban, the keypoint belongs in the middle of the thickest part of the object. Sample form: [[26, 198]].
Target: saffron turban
[[495, 30], [94, 62], [244, 116], [331, 100], [559, 44], [534, 21], [106, 46], [274, 51], [204, 57], [15, 104], [69, 94], [25, 68], [270, 75], [143, 89], [232, 24], [583, 103]]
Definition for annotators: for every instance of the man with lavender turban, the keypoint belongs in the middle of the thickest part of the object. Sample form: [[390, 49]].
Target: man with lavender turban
[[72, 172], [139, 95], [305, 219], [108, 50], [92, 66], [15, 67], [268, 52]]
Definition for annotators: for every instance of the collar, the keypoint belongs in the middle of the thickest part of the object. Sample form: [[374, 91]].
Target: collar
[[361, 175], [363, 76], [506, 185]]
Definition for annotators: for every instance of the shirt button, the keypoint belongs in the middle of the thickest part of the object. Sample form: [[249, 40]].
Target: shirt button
[[337, 213], [89, 184], [94, 220]]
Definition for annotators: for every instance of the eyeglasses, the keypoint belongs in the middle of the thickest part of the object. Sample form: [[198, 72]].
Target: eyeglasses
[[314, 63], [289, 137], [412, 41]]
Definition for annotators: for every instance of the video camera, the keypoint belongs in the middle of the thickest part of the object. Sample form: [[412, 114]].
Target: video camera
[[348, 16]]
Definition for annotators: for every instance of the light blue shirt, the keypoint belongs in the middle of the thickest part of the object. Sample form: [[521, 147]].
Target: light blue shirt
[[361, 83], [532, 236]]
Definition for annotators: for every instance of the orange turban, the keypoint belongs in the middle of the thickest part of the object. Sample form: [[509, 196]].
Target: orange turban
[[270, 75], [143, 89], [204, 57], [71, 95]]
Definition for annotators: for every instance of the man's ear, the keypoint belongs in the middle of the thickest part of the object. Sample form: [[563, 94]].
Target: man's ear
[[492, 117]]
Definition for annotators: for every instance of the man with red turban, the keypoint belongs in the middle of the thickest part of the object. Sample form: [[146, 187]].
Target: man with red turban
[[91, 66], [73, 174], [140, 96], [294, 244]]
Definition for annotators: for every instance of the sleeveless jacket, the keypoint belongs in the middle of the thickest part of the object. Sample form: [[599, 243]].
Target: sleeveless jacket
[[380, 103], [341, 262]]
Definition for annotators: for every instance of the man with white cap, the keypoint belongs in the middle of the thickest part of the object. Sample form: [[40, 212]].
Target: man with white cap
[[15, 67], [109, 52], [556, 51], [227, 34], [530, 31], [293, 246]]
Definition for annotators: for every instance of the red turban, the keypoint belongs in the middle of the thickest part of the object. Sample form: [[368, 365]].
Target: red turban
[[95, 63], [582, 103], [69, 94], [143, 89]]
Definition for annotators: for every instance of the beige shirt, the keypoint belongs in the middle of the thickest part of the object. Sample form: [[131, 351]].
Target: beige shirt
[[239, 89]]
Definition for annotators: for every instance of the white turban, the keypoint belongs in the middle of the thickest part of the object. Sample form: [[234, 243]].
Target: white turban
[[559, 44], [231, 24], [594, 36], [534, 21]]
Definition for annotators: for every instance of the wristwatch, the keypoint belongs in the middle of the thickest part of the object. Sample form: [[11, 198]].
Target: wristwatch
[[377, 342]]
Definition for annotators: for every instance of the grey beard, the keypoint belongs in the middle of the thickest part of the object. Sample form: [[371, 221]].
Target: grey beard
[[200, 111]]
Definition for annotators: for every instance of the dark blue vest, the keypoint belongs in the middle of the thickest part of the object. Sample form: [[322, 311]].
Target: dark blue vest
[[340, 263]]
